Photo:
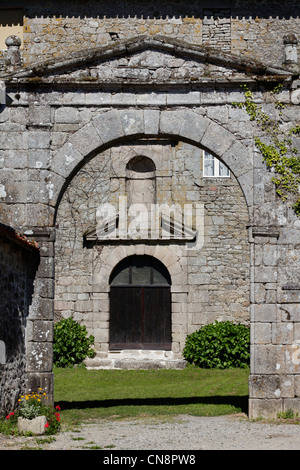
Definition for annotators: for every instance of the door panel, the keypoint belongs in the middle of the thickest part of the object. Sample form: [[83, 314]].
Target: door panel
[[157, 316]]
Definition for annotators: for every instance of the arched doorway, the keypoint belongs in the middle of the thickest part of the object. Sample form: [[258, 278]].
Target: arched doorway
[[140, 305]]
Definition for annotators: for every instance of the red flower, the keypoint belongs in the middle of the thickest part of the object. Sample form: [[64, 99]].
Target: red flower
[[57, 408], [7, 417], [47, 425], [11, 413]]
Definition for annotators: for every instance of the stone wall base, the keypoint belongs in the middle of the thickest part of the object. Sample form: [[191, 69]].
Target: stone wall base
[[270, 407], [43, 380]]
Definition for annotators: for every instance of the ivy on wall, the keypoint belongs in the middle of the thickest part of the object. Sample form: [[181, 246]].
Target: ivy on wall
[[279, 152]]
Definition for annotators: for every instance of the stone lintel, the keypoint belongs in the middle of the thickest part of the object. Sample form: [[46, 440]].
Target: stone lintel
[[271, 232]]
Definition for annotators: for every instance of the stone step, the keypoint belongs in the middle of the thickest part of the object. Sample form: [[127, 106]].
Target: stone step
[[134, 364]]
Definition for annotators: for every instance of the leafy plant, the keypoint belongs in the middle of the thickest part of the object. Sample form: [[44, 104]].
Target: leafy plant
[[279, 152], [222, 345], [71, 345], [9, 424], [288, 414], [32, 405]]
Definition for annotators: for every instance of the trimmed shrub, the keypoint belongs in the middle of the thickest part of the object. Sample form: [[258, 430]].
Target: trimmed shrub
[[221, 345], [71, 344]]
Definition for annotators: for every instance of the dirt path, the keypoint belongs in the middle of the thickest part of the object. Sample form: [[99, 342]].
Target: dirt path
[[234, 432]]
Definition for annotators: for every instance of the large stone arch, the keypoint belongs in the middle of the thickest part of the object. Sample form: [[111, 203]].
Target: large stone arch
[[114, 126], [189, 127]]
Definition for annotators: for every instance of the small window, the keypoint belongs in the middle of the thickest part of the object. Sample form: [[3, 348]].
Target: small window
[[213, 168]]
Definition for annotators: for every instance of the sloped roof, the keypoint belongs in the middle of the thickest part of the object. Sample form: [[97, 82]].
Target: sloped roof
[[11, 234]]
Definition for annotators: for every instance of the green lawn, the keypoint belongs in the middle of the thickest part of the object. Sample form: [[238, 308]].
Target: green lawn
[[94, 394]]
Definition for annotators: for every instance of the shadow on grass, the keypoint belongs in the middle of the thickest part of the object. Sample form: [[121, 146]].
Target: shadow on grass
[[240, 402]]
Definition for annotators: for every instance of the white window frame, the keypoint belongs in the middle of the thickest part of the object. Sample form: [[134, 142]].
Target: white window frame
[[216, 166]]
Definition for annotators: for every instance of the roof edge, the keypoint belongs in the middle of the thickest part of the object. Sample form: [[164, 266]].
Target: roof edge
[[125, 47], [10, 233]]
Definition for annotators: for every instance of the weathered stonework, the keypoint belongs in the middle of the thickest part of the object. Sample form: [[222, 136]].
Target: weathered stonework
[[250, 30], [18, 261], [216, 276], [92, 90]]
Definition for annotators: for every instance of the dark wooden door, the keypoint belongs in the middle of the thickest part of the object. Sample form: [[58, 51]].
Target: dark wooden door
[[140, 317]]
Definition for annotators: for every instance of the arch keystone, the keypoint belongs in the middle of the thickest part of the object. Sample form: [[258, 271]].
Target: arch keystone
[[151, 121], [171, 121]]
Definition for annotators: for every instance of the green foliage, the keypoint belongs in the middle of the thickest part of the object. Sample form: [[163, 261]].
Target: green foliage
[[288, 414], [221, 345], [9, 424], [31, 406], [279, 152], [71, 344]]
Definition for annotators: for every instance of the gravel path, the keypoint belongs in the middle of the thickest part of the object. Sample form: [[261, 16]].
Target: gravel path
[[234, 432]]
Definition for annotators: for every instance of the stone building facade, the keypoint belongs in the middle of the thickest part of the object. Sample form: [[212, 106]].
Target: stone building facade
[[19, 259], [109, 112]]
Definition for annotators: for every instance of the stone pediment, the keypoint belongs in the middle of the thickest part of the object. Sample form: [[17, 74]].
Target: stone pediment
[[147, 60], [168, 229]]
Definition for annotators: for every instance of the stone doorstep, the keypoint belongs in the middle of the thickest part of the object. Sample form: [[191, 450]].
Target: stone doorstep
[[35, 426]]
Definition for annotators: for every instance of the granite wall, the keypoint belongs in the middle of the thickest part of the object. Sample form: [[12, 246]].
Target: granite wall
[[123, 73]]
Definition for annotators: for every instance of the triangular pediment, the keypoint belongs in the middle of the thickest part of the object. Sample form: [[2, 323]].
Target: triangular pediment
[[143, 60]]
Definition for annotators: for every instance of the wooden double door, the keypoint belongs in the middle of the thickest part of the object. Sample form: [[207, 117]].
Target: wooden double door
[[140, 309]]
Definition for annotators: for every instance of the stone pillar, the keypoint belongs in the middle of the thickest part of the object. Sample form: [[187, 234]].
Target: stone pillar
[[275, 348], [264, 398], [39, 328]]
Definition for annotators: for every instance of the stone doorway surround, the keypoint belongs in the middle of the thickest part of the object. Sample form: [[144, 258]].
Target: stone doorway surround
[[173, 260]]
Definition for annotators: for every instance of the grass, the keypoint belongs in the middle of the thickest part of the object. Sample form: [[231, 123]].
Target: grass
[[85, 395]]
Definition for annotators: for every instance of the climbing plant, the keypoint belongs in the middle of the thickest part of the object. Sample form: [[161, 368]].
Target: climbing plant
[[278, 151]]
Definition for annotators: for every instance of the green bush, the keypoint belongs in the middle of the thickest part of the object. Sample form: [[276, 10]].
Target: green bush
[[71, 344], [222, 345]]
